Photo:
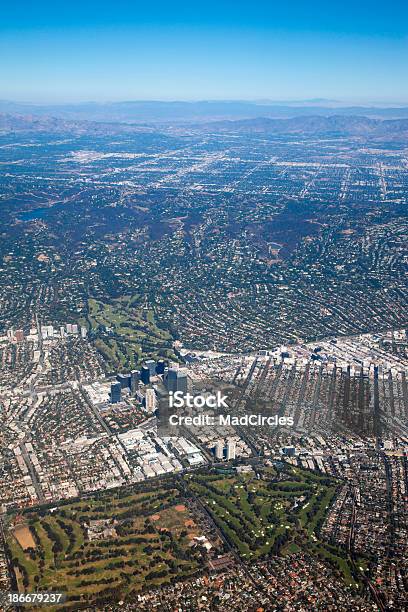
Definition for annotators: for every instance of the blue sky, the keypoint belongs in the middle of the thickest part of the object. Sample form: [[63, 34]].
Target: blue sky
[[120, 50]]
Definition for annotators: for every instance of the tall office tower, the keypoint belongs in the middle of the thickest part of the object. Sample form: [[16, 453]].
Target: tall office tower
[[19, 335], [176, 380], [74, 328], [150, 401], [134, 381], [231, 449], [219, 449], [181, 381], [69, 328], [62, 331], [10, 333], [116, 393], [145, 375], [83, 332], [151, 364], [171, 380], [124, 380], [160, 367]]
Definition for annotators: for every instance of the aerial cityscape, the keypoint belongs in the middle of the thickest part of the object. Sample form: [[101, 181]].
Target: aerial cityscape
[[272, 268], [204, 308]]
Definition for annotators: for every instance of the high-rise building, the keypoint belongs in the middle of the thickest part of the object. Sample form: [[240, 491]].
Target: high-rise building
[[151, 364], [176, 380], [10, 333], [231, 449], [150, 401], [182, 381], [124, 380], [219, 449], [145, 375], [134, 381], [62, 331], [171, 380], [116, 392], [160, 366], [84, 331], [74, 328]]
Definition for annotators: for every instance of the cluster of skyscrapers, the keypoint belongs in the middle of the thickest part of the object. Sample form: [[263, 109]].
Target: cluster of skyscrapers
[[166, 379]]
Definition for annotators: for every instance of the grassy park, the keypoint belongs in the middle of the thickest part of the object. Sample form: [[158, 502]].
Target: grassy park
[[119, 542], [279, 512], [125, 332]]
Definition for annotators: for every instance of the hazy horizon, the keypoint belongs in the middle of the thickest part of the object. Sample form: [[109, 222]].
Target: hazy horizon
[[315, 101]]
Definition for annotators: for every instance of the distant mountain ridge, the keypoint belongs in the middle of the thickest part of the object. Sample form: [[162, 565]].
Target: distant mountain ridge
[[317, 125], [362, 127], [168, 112], [10, 122]]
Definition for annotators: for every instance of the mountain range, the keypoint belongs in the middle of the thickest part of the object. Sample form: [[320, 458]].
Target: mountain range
[[361, 127], [169, 112]]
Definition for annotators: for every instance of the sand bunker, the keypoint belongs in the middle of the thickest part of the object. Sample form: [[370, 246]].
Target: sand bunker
[[24, 537]]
